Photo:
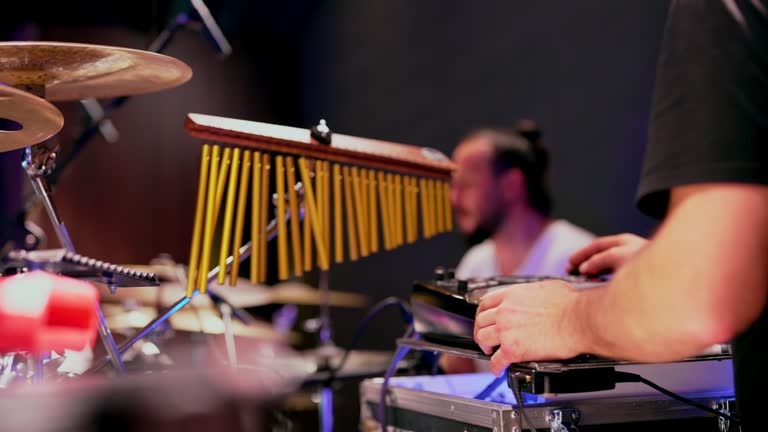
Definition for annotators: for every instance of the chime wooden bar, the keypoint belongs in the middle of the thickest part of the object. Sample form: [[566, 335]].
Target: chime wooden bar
[[356, 197]]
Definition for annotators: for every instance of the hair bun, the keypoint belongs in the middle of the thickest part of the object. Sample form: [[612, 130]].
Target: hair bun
[[529, 130]]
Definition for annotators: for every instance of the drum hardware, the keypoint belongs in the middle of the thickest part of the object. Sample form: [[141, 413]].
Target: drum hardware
[[80, 267], [68, 71], [212, 275], [43, 313], [26, 368], [563, 420], [38, 162], [101, 116], [25, 120], [726, 406]]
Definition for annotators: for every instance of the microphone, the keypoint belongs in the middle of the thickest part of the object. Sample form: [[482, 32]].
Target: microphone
[[214, 32]]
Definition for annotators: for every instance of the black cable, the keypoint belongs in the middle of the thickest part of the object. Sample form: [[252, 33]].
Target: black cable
[[514, 384], [405, 310], [630, 377], [399, 355]]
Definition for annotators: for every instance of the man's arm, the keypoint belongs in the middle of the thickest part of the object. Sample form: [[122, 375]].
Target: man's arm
[[702, 279]]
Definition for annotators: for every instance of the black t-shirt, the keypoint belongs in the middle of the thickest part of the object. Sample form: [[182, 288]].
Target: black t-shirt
[[709, 123]]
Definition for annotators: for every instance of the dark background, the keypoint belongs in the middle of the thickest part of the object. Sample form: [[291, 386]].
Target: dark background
[[418, 72]]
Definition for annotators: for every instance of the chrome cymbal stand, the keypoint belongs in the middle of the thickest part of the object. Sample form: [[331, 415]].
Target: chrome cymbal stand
[[38, 162]]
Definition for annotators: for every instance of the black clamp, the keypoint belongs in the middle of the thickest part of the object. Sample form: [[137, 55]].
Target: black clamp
[[321, 133]]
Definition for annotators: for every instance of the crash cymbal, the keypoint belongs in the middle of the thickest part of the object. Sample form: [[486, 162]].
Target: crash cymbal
[[243, 295], [296, 293], [72, 71], [168, 293], [32, 119], [302, 294], [359, 363], [188, 319]]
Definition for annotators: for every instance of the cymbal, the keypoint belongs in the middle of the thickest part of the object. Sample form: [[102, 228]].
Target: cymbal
[[188, 319], [72, 71], [360, 363], [303, 294], [243, 295], [37, 119]]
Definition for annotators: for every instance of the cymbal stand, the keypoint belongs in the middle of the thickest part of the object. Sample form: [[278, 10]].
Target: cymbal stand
[[101, 117], [325, 353], [37, 163], [245, 253], [229, 338]]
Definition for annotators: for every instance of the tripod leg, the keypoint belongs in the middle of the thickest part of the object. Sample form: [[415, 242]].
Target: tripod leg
[[109, 344], [326, 409], [36, 170], [40, 186]]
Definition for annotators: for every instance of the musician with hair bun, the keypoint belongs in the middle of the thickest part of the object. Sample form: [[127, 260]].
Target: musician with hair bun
[[500, 193], [501, 199]]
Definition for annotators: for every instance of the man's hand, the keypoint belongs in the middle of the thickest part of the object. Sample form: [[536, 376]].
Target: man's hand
[[606, 254], [528, 322]]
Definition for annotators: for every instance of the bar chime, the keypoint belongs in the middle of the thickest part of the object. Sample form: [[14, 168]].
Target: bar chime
[[337, 197]]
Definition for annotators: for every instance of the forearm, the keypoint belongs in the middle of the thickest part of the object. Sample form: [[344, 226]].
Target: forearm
[[614, 322], [701, 281]]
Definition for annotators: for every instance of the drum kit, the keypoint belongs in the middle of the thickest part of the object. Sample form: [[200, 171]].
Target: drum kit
[[208, 337]]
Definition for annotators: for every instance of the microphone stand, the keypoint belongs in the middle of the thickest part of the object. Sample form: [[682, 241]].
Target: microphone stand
[[101, 118]]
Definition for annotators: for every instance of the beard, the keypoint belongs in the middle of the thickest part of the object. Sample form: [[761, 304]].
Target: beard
[[486, 227]]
